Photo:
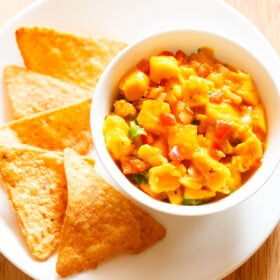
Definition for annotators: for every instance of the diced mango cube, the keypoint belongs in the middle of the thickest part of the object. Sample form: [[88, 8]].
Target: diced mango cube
[[118, 144], [228, 94], [151, 155], [173, 89], [115, 122], [116, 137], [149, 115], [215, 173], [242, 85], [134, 85], [195, 91], [164, 178], [198, 194], [124, 108], [258, 118], [185, 138], [235, 181], [247, 153], [195, 183], [224, 112], [176, 196], [147, 189], [163, 67], [238, 83], [217, 79], [161, 143], [185, 73]]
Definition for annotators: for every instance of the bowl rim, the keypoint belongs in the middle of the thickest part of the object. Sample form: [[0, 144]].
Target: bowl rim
[[131, 190]]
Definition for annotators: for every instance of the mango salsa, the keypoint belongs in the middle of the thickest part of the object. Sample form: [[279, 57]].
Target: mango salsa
[[163, 67], [186, 129], [134, 85], [116, 136], [149, 115]]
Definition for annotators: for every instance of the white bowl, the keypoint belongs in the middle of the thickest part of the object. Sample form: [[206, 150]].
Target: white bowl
[[189, 41]]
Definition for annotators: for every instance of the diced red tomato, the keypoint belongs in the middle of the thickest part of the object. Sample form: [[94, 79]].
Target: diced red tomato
[[203, 70], [258, 163], [181, 112], [215, 151], [222, 131], [226, 160], [133, 166], [166, 53], [154, 92], [167, 119], [178, 107], [175, 155], [181, 57], [147, 139], [216, 97], [144, 139], [144, 66]]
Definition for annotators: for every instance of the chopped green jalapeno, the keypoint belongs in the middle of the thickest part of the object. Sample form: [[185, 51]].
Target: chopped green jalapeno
[[139, 178], [187, 201], [135, 131]]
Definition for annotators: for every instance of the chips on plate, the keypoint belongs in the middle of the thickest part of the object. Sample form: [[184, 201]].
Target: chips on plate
[[100, 222], [60, 200], [53, 130], [36, 185], [71, 58], [32, 93]]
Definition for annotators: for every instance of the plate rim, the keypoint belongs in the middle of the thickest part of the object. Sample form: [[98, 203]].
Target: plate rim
[[33, 6]]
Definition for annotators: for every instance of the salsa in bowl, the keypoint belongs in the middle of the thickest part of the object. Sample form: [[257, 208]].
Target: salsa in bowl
[[184, 125]]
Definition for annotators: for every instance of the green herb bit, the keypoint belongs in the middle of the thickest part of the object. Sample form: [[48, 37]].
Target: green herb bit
[[187, 201], [139, 178], [135, 131], [196, 122]]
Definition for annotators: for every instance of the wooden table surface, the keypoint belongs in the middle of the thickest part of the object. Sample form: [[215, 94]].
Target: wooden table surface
[[265, 263]]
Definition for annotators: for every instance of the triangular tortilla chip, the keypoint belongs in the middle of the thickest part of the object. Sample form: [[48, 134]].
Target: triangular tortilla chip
[[32, 93], [52, 130], [36, 185], [99, 222], [67, 57]]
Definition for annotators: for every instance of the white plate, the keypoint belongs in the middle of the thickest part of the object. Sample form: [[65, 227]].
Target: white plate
[[194, 248]]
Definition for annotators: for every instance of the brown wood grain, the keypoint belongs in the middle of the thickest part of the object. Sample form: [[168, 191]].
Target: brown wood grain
[[264, 14], [265, 263]]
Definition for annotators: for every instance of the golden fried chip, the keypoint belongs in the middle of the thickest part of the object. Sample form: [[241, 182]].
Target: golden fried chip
[[32, 93], [52, 130], [36, 185], [67, 57], [8, 137], [99, 222]]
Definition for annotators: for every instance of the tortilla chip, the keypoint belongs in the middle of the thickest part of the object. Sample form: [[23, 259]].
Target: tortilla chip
[[67, 57], [36, 185], [8, 137], [99, 222], [52, 130], [32, 93]]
